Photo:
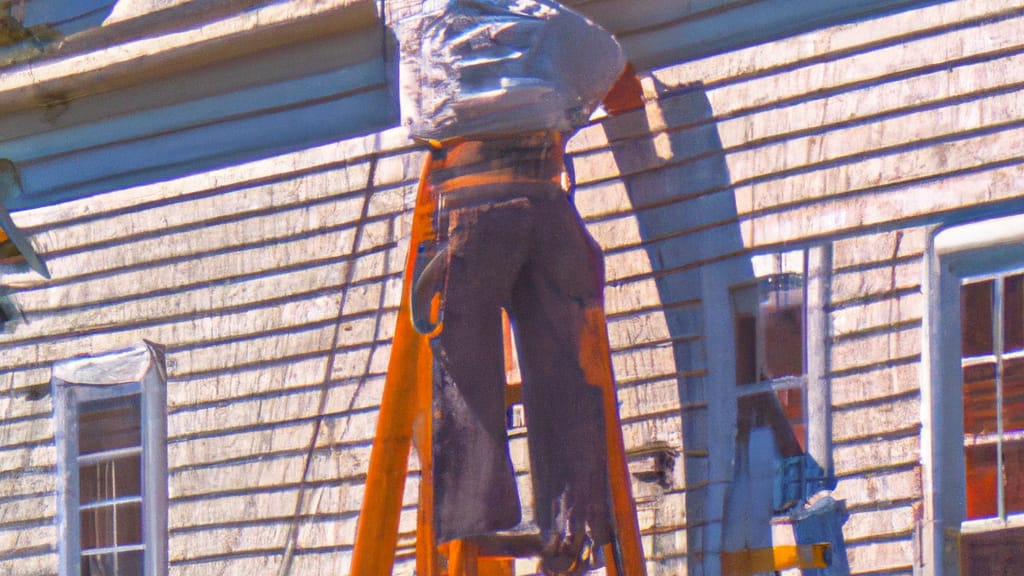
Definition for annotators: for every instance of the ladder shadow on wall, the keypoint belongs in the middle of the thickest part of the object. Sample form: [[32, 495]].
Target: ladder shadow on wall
[[681, 194]]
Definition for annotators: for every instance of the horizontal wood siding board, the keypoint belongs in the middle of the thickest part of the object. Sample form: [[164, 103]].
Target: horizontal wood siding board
[[351, 394], [822, 49], [228, 414], [852, 255], [143, 124], [898, 449], [341, 156], [871, 386], [869, 217], [27, 447], [694, 30], [27, 541], [345, 426], [214, 240], [252, 293], [256, 564], [190, 395], [874, 282], [905, 62], [33, 562], [125, 165], [172, 42], [26, 401], [910, 145], [338, 121], [881, 558], [213, 84]]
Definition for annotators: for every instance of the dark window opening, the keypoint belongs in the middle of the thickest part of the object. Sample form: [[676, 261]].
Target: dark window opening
[[110, 482], [109, 410], [770, 334], [992, 344]]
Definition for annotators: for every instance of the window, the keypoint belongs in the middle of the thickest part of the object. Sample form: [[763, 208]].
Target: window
[[782, 443], [771, 318], [111, 433], [992, 364], [769, 328], [973, 396], [992, 337]]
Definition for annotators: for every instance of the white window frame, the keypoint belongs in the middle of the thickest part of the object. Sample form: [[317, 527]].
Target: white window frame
[[955, 254], [139, 370], [720, 389], [815, 269]]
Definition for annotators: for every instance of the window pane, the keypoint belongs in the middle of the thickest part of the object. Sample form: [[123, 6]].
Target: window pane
[[1013, 395], [125, 564], [763, 410], [1013, 313], [980, 399], [782, 313], [130, 563], [1013, 475], [129, 523], [768, 321], [746, 349], [108, 480], [102, 565], [99, 529], [109, 424], [981, 481], [976, 318]]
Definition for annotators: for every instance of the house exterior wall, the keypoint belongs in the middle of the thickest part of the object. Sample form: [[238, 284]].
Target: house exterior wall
[[273, 282]]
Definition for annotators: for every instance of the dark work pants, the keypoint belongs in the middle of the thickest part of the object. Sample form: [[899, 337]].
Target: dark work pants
[[532, 256]]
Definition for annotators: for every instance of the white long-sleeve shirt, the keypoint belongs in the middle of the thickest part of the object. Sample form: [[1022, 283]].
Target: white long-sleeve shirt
[[479, 68]]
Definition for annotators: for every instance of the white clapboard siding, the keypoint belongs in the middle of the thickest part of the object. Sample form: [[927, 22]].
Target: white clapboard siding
[[254, 283], [274, 282], [859, 136]]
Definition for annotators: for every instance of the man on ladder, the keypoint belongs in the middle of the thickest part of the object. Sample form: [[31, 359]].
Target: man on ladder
[[496, 87]]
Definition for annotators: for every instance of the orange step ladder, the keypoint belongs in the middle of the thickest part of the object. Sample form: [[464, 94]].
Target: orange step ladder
[[405, 417]]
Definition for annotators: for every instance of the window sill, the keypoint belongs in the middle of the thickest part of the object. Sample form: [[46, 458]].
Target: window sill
[[992, 524]]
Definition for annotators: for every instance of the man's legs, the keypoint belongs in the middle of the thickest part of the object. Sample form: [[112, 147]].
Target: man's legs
[[563, 278], [474, 486]]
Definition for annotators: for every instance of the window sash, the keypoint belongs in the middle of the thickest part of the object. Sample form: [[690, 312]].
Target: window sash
[[779, 276], [137, 371], [956, 254], [997, 358], [969, 361]]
